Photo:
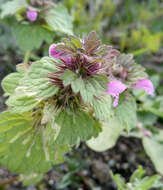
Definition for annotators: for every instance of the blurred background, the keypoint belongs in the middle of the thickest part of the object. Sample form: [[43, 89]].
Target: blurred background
[[131, 26]]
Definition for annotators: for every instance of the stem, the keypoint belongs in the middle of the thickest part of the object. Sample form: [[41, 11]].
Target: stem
[[140, 51], [26, 57], [34, 57]]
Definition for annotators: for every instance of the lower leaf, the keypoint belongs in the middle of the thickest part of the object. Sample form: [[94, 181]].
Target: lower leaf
[[154, 149], [75, 127], [111, 130]]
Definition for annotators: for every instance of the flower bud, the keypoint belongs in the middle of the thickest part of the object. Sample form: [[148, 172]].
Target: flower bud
[[31, 15]]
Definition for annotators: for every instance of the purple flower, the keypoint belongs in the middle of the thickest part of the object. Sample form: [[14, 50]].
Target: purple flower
[[58, 55], [114, 89], [53, 52], [146, 85], [31, 15]]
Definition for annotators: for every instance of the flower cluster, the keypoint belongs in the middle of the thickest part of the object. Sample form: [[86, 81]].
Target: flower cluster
[[89, 57]]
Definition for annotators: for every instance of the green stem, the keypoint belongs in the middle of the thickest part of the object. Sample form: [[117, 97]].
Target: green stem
[[140, 51], [26, 57], [34, 57]]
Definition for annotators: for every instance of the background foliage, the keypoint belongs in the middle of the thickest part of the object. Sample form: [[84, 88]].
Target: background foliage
[[131, 26]]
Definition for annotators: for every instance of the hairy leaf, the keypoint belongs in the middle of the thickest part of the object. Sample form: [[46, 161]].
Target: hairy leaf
[[154, 148], [126, 113], [111, 130], [10, 82], [29, 149], [68, 77], [75, 127], [37, 81], [22, 103], [33, 178], [11, 7], [59, 19], [102, 107], [10, 120], [31, 36], [93, 86]]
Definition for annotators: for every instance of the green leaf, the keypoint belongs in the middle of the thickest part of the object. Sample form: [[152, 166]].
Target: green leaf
[[75, 127], [119, 181], [6, 38], [37, 81], [72, 43], [111, 130], [126, 113], [137, 182], [31, 179], [153, 110], [147, 182], [10, 82], [154, 106], [22, 103], [11, 7], [28, 148], [102, 107], [154, 149], [31, 36], [68, 77], [10, 120], [59, 19], [93, 86], [146, 118], [138, 174]]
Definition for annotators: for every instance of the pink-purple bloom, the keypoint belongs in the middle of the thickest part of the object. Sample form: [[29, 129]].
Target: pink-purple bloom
[[146, 85], [54, 53], [58, 55], [31, 15], [115, 88]]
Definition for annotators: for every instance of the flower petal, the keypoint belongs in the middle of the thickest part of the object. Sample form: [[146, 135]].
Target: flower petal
[[53, 52], [114, 89], [115, 103], [146, 85], [58, 55]]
